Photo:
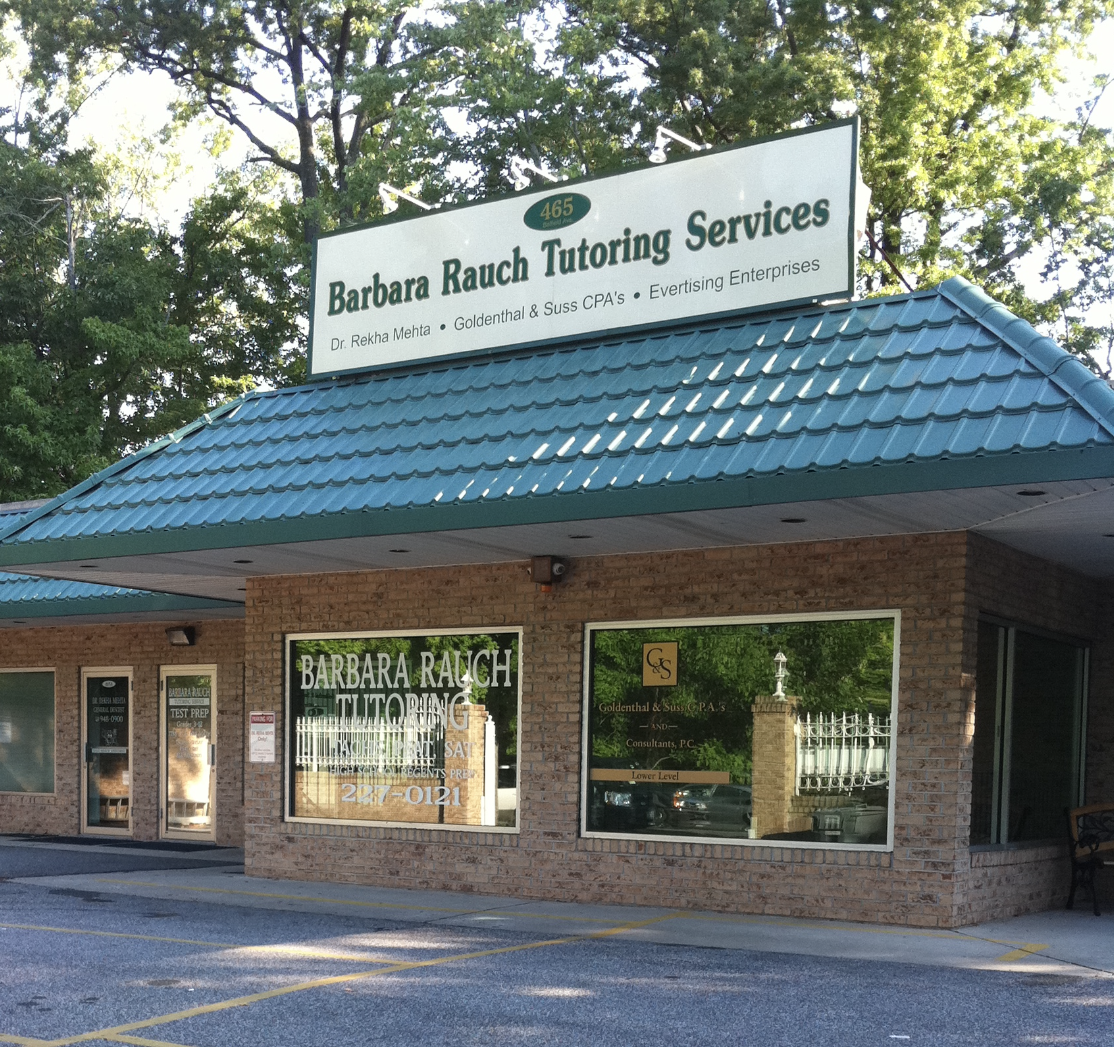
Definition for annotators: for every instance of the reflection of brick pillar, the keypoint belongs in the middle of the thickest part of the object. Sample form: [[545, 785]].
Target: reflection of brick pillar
[[466, 769], [774, 776]]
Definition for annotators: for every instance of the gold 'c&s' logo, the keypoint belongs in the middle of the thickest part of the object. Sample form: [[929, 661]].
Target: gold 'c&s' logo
[[659, 664]]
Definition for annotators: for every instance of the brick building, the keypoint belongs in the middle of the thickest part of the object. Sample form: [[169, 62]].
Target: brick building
[[909, 500]]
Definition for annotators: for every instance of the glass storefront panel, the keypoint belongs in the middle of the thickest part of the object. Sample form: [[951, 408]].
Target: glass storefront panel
[[1047, 683], [27, 732], [1026, 754], [405, 729], [690, 733], [189, 752], [108, 752]]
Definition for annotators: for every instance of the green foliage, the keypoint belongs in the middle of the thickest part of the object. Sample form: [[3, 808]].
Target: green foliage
[[141, 332], [706, 719], [965, 177]]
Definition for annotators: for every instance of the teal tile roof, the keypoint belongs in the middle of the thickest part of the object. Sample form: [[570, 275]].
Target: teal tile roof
[[23, 596], [938, 389]]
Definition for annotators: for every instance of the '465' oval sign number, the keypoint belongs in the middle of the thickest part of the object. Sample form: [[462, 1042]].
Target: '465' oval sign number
[[555, 212]]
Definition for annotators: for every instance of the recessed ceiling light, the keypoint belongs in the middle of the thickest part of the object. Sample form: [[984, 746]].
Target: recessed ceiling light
[[243, 561], [1030, 493], [792, 519], [579, 537], [399, 550]]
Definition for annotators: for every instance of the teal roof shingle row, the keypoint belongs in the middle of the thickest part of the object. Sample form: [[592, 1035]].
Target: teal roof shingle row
[[928, 377]]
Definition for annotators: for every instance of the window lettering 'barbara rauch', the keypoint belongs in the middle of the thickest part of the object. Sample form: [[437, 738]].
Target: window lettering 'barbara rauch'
[[410, 729]]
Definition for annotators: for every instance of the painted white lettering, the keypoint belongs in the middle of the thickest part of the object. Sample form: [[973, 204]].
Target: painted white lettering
[[402, 673], [427, 670], [446, 674], [504, 666], [307, 672], [482, 681], [353, 671], [368, 678], [454, 723]]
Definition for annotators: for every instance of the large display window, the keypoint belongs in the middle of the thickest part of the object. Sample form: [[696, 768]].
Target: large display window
[[404, 729], [27, 730], [742, 729]]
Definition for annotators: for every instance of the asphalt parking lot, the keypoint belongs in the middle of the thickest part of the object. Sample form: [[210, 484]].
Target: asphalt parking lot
[[171, 947]]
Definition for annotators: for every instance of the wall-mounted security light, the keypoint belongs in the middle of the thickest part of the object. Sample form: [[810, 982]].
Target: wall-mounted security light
[[658, 154], [521, 170], [547, 570], [390, 197], [181, 635]]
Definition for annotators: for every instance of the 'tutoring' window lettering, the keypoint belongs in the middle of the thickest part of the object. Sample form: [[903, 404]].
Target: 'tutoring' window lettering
[[742, 730], [410, 729]]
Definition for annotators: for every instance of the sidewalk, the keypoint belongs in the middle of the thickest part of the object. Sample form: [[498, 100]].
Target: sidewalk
[[1053, 943]]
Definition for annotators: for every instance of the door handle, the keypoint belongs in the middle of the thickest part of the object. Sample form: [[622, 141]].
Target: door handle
[[88, 752], [212, 756]]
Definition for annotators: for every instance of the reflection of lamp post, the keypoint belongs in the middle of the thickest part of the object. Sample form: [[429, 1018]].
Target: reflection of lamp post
[[779, 676]]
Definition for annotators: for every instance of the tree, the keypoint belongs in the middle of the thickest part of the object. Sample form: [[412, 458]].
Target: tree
[[965, 178], [113, 332], [344, 80]]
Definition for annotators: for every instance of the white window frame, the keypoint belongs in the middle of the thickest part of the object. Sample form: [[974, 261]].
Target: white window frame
[[165, 832], [290, 638], [105, 830], [893, 614]]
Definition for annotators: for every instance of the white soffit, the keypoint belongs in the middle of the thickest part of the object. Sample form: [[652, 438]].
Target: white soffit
[[1066, 524]]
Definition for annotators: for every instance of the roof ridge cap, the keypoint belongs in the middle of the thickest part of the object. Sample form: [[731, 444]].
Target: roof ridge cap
[[1086, 388]]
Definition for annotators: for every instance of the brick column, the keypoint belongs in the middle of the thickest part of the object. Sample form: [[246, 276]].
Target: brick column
[[774, 774]]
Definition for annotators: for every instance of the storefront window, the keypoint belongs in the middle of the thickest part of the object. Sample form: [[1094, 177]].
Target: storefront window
[[27, 732], [1029, 700], [774, 730], [405, 729]]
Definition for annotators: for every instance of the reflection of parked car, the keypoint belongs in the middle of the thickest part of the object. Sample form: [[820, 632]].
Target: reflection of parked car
[[623, 806], [713, 807], [857, 823]]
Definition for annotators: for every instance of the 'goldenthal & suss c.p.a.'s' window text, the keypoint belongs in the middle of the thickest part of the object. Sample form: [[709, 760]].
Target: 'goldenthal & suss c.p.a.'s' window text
[[743, 729], [404, 728]]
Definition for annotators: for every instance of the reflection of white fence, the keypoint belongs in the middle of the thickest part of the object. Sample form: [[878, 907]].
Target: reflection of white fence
[[362, 745], [842, 751]]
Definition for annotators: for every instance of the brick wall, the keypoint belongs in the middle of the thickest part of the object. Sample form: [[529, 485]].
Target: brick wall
[[1019, 588], [916, 884], [144, 647]]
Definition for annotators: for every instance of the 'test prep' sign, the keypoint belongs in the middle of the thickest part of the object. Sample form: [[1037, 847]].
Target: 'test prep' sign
[[752, 226]]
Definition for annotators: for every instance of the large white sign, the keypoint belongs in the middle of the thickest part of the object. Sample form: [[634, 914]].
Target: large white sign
[[714, 233]]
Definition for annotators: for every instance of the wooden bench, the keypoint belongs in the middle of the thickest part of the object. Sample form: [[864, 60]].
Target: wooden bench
[[1092, 846]]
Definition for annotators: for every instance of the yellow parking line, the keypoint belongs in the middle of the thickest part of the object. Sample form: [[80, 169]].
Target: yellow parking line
[[140, 1042], [1023, 953], [117, 1032], [24, 1041]]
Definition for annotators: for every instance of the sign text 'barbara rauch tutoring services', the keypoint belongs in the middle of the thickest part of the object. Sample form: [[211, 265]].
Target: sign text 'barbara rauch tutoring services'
[[752, 226]]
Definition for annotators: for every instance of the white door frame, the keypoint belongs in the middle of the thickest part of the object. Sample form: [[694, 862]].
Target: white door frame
[[87, 674], [165, 832]]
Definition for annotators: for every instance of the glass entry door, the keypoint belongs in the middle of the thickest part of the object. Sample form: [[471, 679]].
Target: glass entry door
[[189, 747], [108, 780]]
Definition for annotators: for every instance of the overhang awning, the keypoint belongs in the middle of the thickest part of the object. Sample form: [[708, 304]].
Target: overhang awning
[[937, 410]]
